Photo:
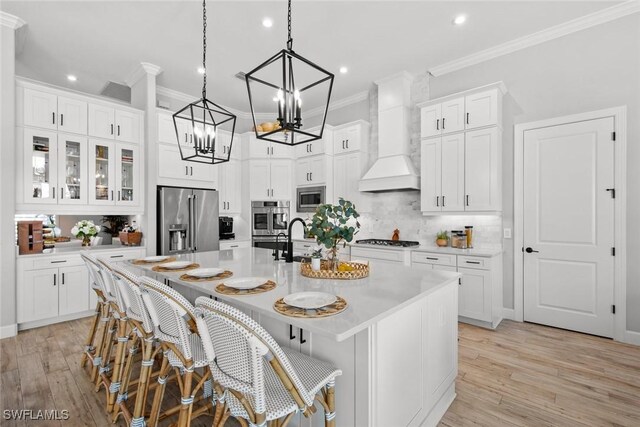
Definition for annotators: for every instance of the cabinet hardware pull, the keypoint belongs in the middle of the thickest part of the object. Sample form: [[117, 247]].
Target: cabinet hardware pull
[[443, 123], [311, 148], [186, 170], [459, 281], [118, 130], [473, 262], [467, 199], [116, 256], [59, 261], [54, 279], [310, 176], [343, 144], [438, 201], [62, 192], [111, 128], [191, 170], [234, 246], [53, 190], [61, 119], [53, 118], [272, 151], [291, 336], [347, 144], [433, 259], [118, 195], [443, 205], [63, 278], [467, 118], [111, 194], [186, 139], [302, 340], [438, 124]]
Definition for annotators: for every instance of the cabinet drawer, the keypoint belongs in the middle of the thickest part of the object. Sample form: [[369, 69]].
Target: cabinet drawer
[[381, 254], [431, 258], [234, 245], [474, 262], [58, 261]]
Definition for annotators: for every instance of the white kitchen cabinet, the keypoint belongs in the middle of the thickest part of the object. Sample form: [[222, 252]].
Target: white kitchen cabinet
[[108, 122], [167, 130], [310, 171], [483, 179], [40, 109], [73, 290], [172, 170], [128, 186], [475, 294], [114, 173], [482, 109], [442, 174], [72, 115], [72, 158], [234, 244], [281, 185], [442, 118], [379, 256], [260, 179], [261, 149], [40, 166], [37, 294], [431, 175], [430, 117], [347, 171], [230, 177], [270, 180], [309, 149], [226, 147], [351, 137]]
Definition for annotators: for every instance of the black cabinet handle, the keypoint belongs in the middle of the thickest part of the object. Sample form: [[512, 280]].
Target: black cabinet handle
[[186, 170], [438, 201], [186, 139], [61, 119], [302, 340], [62, 192], [191, 170], [433, 259], [63, 278], [311, 148], [291, 336], [474, 262], [118, 130], [443, 124], [116, 256], [111, 194], [529, 250], [443, 196], [467, 118], [467, 197], [53, 118], [347, 144], [53, 190], [438, 124], [111, 128], [343, 145], [118, 195], [55, 279], [62, 261]]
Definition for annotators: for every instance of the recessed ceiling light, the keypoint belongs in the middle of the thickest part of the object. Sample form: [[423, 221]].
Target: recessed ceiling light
[[344, 70], [72, 78], [459, 20], [201, 70], [267, 23]]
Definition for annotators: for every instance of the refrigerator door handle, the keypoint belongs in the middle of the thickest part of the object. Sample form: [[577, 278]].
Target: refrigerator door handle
[[190, 220], [195, 221]]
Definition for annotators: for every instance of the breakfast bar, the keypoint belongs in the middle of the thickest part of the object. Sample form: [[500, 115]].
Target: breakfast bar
[[396, 342]]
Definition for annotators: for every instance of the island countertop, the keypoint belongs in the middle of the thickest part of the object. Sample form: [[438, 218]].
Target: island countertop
[[387, 290]]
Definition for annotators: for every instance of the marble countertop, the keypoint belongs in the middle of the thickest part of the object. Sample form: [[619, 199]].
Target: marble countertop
[[479, 251], [72, 248], [387, 290]]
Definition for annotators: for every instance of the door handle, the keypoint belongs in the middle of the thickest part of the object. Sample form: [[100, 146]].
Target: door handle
[[438, 124], [467, 118], [432, 258], [530, 250], [111, 128], [443, 124], [62, 279], [186, 170], [116, 256], [438, 201], [111, 194], [195, 221], [118, 195], [118, 130], [55, 279], [310, 176], [61, 119], [53, 190], [302, 340], [191, 170], [62, 192], [186, 139], [467, 197], [53, 118], [291, 336], [443, 196], [343, 145]]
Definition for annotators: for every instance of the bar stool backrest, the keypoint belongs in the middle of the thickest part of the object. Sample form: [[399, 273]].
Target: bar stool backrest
[[172, 315], [131, 292], [235, 346], [94, 280], [113, 293]]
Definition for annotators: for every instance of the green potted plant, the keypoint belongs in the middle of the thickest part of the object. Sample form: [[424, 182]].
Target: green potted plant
[[442, 238], [116, 224], [316, 259], [334, 225]]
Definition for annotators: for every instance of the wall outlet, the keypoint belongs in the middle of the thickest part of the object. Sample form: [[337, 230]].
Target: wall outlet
[[507, 233]]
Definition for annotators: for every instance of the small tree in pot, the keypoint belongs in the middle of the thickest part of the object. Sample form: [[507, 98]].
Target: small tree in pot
[[333, 225]]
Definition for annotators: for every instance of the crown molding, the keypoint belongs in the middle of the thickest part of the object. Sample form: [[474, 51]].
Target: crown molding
[[340, 103], [11, 21], [591, 20], [143, 69]]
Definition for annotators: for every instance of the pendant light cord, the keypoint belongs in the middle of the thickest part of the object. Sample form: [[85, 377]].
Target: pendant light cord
[[204, 48], [289, 39]]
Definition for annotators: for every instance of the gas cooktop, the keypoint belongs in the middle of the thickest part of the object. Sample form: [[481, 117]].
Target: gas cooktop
[[383, 242]]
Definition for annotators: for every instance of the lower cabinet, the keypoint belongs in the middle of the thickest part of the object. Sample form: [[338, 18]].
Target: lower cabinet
[[234, 244], [379, 256]]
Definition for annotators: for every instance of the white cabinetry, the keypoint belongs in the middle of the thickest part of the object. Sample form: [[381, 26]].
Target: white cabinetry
[[351, 137], [483, 166], [442, 118], [114, 173], [270, 180], [261, 149], [482, 109], [230, 178], [311, 171], [49, 111], [172, 170], [379, 256], [442, 161], [310, 148], [108, 122], [234, 244]]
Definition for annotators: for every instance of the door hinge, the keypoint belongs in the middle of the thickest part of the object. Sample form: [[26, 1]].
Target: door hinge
[[613, 309], [613, 192], [613, 136], [613, 251]]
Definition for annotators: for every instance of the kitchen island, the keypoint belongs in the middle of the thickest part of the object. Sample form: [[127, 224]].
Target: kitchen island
[[396, 342]]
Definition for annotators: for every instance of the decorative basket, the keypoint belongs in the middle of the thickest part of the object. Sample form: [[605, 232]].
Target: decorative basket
[[131, 239], [359, 271]]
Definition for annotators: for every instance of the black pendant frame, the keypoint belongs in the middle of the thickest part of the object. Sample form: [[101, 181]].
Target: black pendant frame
[[202, 115], [290, 130]]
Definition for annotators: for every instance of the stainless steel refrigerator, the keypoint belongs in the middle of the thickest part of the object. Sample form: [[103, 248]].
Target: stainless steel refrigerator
[[187, 220]]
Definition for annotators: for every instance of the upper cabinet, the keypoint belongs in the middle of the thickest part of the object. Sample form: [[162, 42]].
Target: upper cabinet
[[114, 123], [470, 110], [50, 111], [261, 149], [351, 137]]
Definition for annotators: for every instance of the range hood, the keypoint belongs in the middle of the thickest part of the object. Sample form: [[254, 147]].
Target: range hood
[[393, 169]]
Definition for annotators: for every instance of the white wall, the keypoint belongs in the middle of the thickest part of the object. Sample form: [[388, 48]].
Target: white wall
[[590, 70]]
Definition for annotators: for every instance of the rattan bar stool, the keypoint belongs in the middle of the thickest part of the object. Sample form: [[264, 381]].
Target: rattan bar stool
[[95, 342], [262, 383], [174, 326]]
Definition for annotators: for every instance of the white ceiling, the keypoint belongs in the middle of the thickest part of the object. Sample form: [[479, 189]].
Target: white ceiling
[[100, 41]]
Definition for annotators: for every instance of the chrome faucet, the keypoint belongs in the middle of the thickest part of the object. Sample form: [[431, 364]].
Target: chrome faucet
[[275, 251], [289, 255]]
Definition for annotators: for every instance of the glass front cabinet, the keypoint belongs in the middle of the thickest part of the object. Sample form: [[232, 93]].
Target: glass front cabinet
[[127, 174], [114, 173]]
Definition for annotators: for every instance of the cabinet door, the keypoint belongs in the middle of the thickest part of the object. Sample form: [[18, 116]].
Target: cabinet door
[[278, 329], [38, 295], [102, 160], [303, 169], [482, 171], [73, 290], [72, 115], [431, 175], [260, 180], [453, 173], [128, 175], [40, 109], [258, 148], [482, 109], [339, 141], [317, 169], [72, 170], [346, 175], [353, 138], [40, 166], [309, 149], [430, 120], [127, 126], [166, 129], [223, 144], [281, 151], [101, 121], [444, 267], [281, 180], [205, 173], [475, 294], [170, 164], [453, 115], [230, 187]]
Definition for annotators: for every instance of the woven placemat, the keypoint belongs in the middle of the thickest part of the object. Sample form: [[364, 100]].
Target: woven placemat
[[224, 275], [330, 310], [356, 271], [143, 262], [265, 287], [161, 269]]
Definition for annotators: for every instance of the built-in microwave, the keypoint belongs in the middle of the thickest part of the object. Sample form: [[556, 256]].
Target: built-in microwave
[[308, 198]]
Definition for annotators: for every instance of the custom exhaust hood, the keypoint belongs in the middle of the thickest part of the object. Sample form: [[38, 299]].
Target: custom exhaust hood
[[393, 170]]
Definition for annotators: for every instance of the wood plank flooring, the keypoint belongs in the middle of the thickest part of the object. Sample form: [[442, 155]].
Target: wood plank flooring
[[519, 375]]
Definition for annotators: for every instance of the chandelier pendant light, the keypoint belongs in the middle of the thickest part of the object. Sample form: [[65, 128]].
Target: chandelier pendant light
[[198, 124], [279, 86]]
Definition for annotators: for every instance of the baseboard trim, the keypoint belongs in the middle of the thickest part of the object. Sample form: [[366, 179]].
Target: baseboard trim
[[632, 337], [508, 313], [51, 321], [8, 331]]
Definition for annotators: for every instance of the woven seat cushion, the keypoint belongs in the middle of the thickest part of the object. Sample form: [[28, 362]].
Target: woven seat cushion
[[313, 373], [197, 352]]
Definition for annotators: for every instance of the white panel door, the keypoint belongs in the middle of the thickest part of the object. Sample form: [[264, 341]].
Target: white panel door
[[474, 300], [260, 180], [347, 172], [230, 187], [73, 291], [40, 109], [38, 295], [430, 118], [569, 226], [127, 126], [72, 115], [317, 170], [101, 121], [482, 109], [482, 180], [303, 168], [431, 175], [453, 161], [453, 115], [170, 164], [281, 180]]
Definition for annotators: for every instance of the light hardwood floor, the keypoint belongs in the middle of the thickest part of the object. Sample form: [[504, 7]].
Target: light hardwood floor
[[521, 374]]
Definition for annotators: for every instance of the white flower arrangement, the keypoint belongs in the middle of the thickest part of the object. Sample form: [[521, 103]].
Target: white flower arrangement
[[85, 229]]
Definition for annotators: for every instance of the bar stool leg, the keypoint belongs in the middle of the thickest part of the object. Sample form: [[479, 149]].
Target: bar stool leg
[[143, 381], [105, 358], [100, 342], [88, 344], [330, 416], [184, 417], [159, 393], [121, 399], [116, 376]]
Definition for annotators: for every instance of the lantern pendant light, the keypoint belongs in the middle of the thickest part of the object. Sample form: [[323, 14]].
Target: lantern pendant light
[[198, 125], [272, 86]]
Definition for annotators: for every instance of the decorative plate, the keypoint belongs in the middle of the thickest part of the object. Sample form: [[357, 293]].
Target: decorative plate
[[310, 300], [176, 265], [205, 272], [246, 282], [157, 258]]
